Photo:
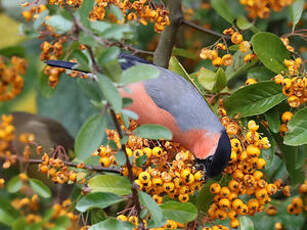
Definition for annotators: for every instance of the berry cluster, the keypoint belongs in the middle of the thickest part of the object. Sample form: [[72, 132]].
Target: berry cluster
[[33, 12], [294, 88], [142, 11], [297, 204], [244, 168], [58, 171], [170, 224], [11, 83], [261, 8], [7, 135]]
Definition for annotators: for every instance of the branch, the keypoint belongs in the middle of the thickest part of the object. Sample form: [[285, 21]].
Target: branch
[[202, 29], [168, 37], [134, 190], [71, 164]]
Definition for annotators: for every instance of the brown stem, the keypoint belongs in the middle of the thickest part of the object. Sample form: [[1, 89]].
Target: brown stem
[[168, 37], [72, 164], [134, 190], [202, 29]]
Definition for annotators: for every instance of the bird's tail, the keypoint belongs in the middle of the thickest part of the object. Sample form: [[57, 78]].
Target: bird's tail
[[64, 64]]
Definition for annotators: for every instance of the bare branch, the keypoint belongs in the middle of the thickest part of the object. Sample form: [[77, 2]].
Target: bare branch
[[168, 37]]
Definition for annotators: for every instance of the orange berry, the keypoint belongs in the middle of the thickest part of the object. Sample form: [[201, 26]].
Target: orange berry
[[215, 188], [105, 162], [286, 116], [294, 101], [217, 61], [250, 81], [253, 151], [234, 223], [227, 60], [244, 46], [236, 38], [303, 188]]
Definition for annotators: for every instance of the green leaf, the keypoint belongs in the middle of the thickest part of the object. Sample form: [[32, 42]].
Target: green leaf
[[40, 188], [272, 116], [112, 223], [254, 99], [111, 31], [246, 223], [152, 131], [13, 51], [14, 184], [204, 197], [206, 78], [296, 10], [120, 158], [8, 215], [84, 11], [90, 136], [97, 215], [108, 55], [260, 73], [155, 210], [238, 66], [44, 87], [297, 133], [180, 212], [176, 67], [262, 221], [293, 156], [82, 60], [243, 23], [113, 70], [90, 89], [139, 73], [223, 10], [183, 53], [220, 82], [116, 184], [98, 200], [40, 20], [110, 92], [86, 39], [271, 51], [60, 24]]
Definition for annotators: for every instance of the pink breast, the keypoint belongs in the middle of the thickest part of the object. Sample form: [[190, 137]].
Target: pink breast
[[199, 141]]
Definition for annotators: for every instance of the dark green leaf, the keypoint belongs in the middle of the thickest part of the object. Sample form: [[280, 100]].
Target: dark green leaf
[[152, 131], [87, 39], [82, 60], [297, 134], [273, 118], [204, 197], [113, 70], [292, 156], [220, 82], [271, 51], [14, 184], [108, 55], [254, 99], [180, 212], [84, 11], [262, 221], [116, 184], [90, 136], [296, 10], [139, 73], [97, 200], [120, 158], [110, 92], [97, 215], [141, 160], [90, 89], [7, 213], [60, 24], [238, 65], [260, 73], [40, 188], [155, 210], [112, 223], [13, 51], [223, 10]]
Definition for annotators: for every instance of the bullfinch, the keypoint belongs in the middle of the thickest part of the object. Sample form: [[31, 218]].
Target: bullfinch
[[173, 102]]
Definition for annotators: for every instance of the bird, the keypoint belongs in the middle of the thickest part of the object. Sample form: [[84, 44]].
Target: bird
[[173, 102]]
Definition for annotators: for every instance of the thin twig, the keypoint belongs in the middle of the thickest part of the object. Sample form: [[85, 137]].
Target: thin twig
[[75, 165], [202, 29]]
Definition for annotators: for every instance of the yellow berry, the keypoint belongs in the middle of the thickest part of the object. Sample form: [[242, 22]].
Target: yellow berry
[[138, 153], [148, 152], [286, 116], [236, 38], [122, 218], [144, 177], [157, 151]]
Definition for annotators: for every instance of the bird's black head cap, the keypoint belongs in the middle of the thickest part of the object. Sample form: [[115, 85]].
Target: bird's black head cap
[[215, 164]]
